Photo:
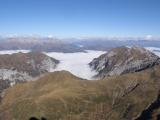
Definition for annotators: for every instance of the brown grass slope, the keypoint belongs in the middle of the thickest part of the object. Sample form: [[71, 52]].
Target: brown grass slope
[[62, 96]]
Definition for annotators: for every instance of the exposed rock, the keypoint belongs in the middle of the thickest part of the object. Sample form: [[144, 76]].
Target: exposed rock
[[13, 76], [20, 67], [123, 60]]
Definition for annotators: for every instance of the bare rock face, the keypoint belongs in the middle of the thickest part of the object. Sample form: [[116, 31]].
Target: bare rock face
[[20, 67], [123, 60]]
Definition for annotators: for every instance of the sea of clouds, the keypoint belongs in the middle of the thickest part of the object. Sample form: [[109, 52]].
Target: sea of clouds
[[76, 63], [13, 51], [155, 50]]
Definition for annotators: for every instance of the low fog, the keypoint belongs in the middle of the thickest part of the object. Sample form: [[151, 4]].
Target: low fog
[[13, 51], [76, 63], [155, 50]]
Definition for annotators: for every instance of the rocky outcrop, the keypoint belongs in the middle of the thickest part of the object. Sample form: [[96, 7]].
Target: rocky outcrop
[[123, 60], [20, 67]]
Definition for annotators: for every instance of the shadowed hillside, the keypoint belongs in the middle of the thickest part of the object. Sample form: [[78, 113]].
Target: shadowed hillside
[[62, 96]]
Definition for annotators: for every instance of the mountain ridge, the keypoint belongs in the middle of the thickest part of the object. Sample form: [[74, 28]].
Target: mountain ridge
[[123, 60], [61, 95], [21, 67]]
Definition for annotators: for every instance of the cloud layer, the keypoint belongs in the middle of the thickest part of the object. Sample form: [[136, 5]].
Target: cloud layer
[[13, 51], [76, 63]]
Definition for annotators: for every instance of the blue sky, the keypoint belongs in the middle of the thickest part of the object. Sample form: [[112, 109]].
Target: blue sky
[[76, 18]]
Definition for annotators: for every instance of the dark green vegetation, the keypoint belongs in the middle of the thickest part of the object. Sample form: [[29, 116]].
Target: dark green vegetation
[[62, 96]]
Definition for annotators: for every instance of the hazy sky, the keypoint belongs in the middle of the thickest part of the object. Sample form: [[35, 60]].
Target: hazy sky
[[74, 18]]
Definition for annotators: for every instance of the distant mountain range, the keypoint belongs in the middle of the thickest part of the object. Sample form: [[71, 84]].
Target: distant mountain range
[[38, 44], [69, 45], [107, 44]]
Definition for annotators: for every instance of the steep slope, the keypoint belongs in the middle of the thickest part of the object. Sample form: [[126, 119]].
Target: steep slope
[[123, 60], [62, 96], [20, 67]]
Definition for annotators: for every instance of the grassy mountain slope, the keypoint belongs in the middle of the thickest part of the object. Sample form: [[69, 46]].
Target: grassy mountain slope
[[62, 96]]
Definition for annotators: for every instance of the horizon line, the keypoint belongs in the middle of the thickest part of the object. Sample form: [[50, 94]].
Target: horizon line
[[107, 37]]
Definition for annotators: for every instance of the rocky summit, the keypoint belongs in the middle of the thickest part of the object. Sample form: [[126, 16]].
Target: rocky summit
[[123, 60], [20, 67]]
